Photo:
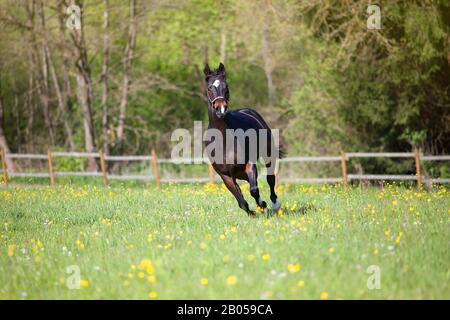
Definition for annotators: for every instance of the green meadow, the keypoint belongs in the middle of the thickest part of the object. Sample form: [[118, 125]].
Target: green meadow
[[193, 242]]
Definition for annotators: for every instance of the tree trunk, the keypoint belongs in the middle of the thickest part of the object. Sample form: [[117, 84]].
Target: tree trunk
[[41, 70], [61, 99], [105, 71], [223, 33], [84, 90], [66, 57], [17, 115], [3, 142], [268, 67], [30, 107], [128, 56], [223, 46]]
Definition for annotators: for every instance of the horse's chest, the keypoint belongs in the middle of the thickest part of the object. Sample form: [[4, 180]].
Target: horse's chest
[[219, 153]]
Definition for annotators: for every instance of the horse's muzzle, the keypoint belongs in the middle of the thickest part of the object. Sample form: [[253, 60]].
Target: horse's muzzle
[[220, 108]]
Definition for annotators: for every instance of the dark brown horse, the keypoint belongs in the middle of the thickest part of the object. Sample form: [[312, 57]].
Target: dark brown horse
[[239, 160]]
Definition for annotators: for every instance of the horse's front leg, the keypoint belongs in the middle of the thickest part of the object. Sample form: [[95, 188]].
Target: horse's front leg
[[271, 179], [252, 174], [232, 185]]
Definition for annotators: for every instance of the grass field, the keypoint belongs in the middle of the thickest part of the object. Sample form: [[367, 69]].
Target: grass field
[[193, 242]]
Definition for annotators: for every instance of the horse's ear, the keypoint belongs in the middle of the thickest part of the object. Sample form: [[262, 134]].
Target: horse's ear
[[222, 68], [207, 70]]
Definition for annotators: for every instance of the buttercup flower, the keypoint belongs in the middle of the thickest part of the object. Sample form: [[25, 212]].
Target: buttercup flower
[[324, 295], [231, 280], [11, 249], [84, 283]]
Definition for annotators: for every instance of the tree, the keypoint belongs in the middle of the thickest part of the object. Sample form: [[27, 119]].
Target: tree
[[3, 142], [61, 97], [105, 76], [84, 88], [127, 59]]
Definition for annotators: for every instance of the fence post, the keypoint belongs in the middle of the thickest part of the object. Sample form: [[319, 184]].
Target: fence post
[[50, 167], [344, 170], [428, 183], [418, 174], [103, 167], [155, 169], [211, 173], [4, 168]]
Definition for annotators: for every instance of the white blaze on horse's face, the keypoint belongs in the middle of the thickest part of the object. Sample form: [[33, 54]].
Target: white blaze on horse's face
[[216, 83]]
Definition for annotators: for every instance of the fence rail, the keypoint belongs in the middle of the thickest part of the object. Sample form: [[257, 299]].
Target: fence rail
[[155, 162]]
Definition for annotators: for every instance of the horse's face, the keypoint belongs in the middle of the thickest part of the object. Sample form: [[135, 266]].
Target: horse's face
[[217, 90]]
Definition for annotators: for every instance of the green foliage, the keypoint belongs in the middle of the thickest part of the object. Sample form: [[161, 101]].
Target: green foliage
[[338, 86]]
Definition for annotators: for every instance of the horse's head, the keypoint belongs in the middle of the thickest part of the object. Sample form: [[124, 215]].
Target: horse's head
[[217, 90]]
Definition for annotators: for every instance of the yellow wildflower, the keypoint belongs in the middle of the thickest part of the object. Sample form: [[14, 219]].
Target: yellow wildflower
[[293, 267], [145, 263], [398, 238], [324, 295], [11, 249], [84, 283], [231, 280], [266, 257]]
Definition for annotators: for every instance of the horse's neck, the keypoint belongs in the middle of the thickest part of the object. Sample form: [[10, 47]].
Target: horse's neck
[[216, 123]]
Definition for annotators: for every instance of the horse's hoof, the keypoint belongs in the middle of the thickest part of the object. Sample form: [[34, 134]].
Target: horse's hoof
[[263, 204], [261, 209], [251, 214], [276, 211]]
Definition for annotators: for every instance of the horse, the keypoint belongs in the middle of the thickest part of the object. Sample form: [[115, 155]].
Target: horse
[[226, 162]]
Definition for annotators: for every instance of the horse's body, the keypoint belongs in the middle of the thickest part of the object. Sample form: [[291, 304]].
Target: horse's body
[[230, 168]]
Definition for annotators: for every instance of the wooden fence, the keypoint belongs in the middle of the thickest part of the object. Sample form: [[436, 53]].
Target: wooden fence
[[154, 164]]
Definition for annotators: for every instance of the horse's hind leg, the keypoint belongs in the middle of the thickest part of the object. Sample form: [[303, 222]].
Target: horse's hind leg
[[232, 185], [252, 174], [273, 195]]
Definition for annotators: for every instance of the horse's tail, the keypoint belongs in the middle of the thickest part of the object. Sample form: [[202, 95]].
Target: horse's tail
[[281, 152]]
